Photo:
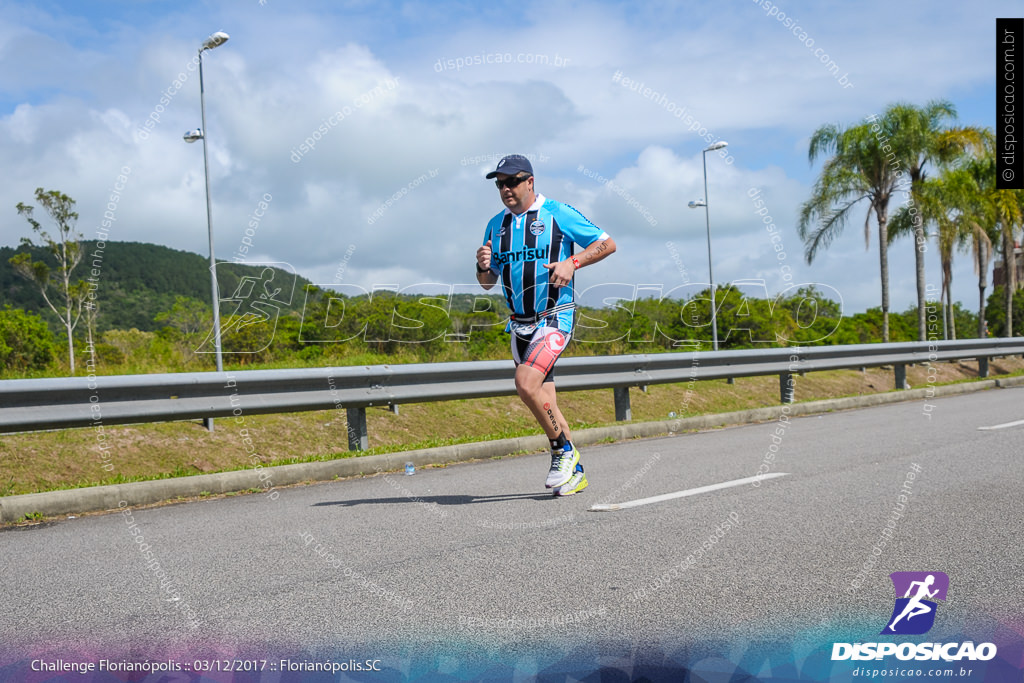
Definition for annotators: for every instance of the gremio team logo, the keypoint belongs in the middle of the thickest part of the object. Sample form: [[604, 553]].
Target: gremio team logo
[[914, 614]]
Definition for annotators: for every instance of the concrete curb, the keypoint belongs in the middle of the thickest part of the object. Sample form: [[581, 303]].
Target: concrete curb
[[95, 498]]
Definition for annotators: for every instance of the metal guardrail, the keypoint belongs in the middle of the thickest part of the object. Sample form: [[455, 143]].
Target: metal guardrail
[[59, 403]]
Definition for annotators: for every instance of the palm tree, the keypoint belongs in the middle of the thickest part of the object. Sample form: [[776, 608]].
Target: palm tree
[[935, 205], [981, 215], [919, 136], [1009, 214], [1002, 213], [981, 246], [951, 203], [857, 169]]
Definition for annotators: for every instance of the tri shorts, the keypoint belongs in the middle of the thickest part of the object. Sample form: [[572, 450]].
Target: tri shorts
[[539, 349]]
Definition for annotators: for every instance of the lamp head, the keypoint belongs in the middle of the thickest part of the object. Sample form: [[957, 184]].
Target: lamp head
[[193, 135], [216, 40], [716, 145], [697, 203]]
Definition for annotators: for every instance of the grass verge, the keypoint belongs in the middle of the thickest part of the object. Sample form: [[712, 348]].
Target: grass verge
[[47, 461]]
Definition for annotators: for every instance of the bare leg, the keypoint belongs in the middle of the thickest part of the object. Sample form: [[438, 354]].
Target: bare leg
[[921, 609], [910, 607], [530, 386], [548, 389]]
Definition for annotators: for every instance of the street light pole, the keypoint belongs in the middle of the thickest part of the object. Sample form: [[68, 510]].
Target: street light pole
[[209, 223], [707, 222], [215, 40]]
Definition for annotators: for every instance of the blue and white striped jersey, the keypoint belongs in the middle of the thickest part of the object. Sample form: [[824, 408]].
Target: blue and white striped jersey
[[545, 233]]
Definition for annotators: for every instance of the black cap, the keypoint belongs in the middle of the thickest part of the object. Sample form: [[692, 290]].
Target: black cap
[[512, 164]]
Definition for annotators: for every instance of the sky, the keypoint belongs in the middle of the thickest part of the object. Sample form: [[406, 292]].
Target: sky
[[351, 139]]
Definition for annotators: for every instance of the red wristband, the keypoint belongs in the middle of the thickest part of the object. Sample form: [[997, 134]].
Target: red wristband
[[576, 262]]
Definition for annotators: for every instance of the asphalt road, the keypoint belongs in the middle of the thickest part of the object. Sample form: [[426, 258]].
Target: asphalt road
[[478, 563]]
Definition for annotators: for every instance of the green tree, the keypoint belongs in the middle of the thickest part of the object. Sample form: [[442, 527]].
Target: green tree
[[187, 315], [817, 319], [984, 233], [942, 202], [247, 340], [995, 313], [747, 322], [964, 319], [129, 343], [999, 217], [184, 324], [66, 248], [1011, 210], [917, 137], [25, 341], [1008, 209], [961, 203], [857, 170]]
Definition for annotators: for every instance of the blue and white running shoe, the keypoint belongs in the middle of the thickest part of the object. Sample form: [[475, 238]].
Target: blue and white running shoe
[[577, 482], [563, 464]]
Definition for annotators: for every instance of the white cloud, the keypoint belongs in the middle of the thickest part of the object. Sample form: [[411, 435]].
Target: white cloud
[[76, 89]]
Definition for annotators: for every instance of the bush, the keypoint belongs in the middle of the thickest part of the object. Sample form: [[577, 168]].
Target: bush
[[127, 342], [108, 354], [313, 352], [25, 341], [995, 313]]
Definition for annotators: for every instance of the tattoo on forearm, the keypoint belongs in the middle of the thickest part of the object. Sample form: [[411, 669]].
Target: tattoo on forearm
[[600, 249]]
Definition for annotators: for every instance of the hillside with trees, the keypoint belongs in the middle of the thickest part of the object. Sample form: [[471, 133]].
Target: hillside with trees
[[137, 281]]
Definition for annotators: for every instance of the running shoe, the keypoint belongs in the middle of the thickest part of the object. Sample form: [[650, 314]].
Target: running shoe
[[563, 464], [576, 483]]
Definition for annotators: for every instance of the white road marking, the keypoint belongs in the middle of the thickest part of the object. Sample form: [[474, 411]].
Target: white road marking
[[1002, 426], [611, 507]]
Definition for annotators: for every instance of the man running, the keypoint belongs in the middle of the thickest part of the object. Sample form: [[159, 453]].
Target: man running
[[915, 606], [529, 248]]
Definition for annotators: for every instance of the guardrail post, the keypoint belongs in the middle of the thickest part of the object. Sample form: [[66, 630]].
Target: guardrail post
[[786, 380], [623, 411], [900, 370], [358, 439], [982, 366]]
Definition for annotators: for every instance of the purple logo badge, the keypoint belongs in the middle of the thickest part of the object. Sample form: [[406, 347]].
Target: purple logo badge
[[914, 612]]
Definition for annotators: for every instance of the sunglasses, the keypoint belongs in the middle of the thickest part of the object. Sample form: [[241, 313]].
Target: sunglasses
[[512, 182]]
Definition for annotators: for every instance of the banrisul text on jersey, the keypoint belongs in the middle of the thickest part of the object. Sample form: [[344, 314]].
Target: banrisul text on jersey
[[501, 258], [546, 233]]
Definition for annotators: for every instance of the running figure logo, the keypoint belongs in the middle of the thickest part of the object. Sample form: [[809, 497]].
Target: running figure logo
[[256, 299], [914, 613]]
